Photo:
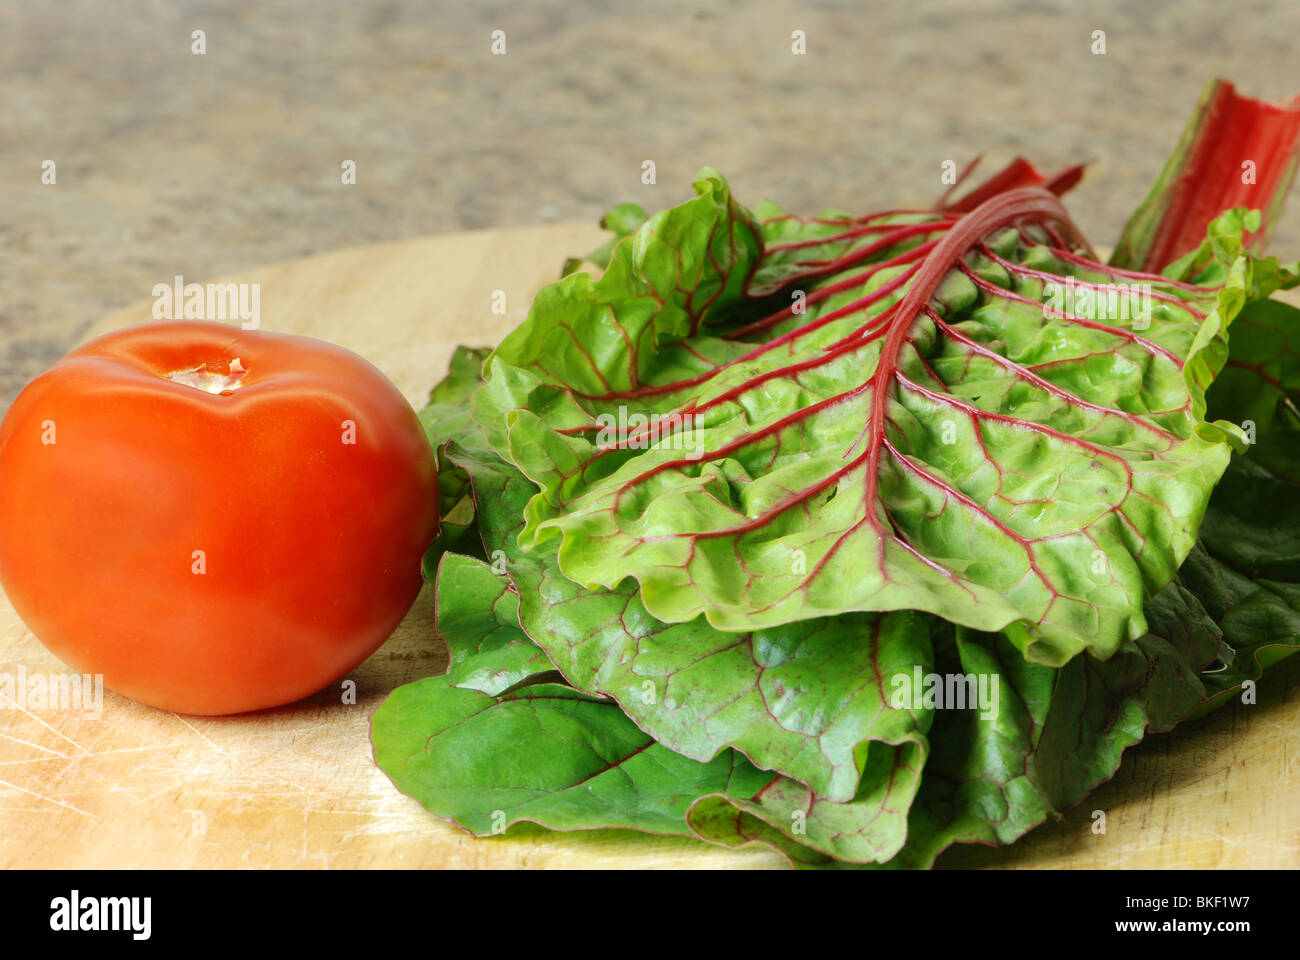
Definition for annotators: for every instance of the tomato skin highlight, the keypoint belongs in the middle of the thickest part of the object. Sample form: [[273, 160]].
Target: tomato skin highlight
[[213, 553]]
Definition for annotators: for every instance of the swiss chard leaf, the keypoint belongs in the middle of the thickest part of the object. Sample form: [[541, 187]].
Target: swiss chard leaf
[[620, 221], [446, 416], [477, 613], [492, 742], [926, 436], [701, 267]]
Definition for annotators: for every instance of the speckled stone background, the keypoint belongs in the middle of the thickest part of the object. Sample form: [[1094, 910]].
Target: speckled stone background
[[170, 163]]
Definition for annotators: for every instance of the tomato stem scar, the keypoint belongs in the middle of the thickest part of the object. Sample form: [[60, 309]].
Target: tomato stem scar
[[205, 378]]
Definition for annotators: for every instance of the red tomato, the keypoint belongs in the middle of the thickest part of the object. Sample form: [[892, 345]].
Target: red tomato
[[216, 520]]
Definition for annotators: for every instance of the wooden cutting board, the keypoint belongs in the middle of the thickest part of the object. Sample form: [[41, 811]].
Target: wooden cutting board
[[297, 786]]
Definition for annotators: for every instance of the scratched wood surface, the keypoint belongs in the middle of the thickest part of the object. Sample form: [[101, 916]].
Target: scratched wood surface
[[297, 786]]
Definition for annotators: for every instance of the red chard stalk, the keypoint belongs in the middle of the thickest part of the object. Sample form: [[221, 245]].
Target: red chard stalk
[[1235, 152]]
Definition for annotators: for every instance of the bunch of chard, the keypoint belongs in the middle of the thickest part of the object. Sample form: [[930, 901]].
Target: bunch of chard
[[860, 536]]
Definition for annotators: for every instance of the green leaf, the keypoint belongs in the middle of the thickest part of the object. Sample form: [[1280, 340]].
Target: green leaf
[[545, 753], [987, 462], [447, 416], [869, 828], [492, 743], [464, 374], [692, 269], [621, 221], [1262, 378], [478, 615]]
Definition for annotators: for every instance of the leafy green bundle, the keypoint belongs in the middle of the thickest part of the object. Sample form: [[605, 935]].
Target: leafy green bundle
[[857, 536]]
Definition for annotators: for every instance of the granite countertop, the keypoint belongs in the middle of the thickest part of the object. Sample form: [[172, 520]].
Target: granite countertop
[[171, 163]]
